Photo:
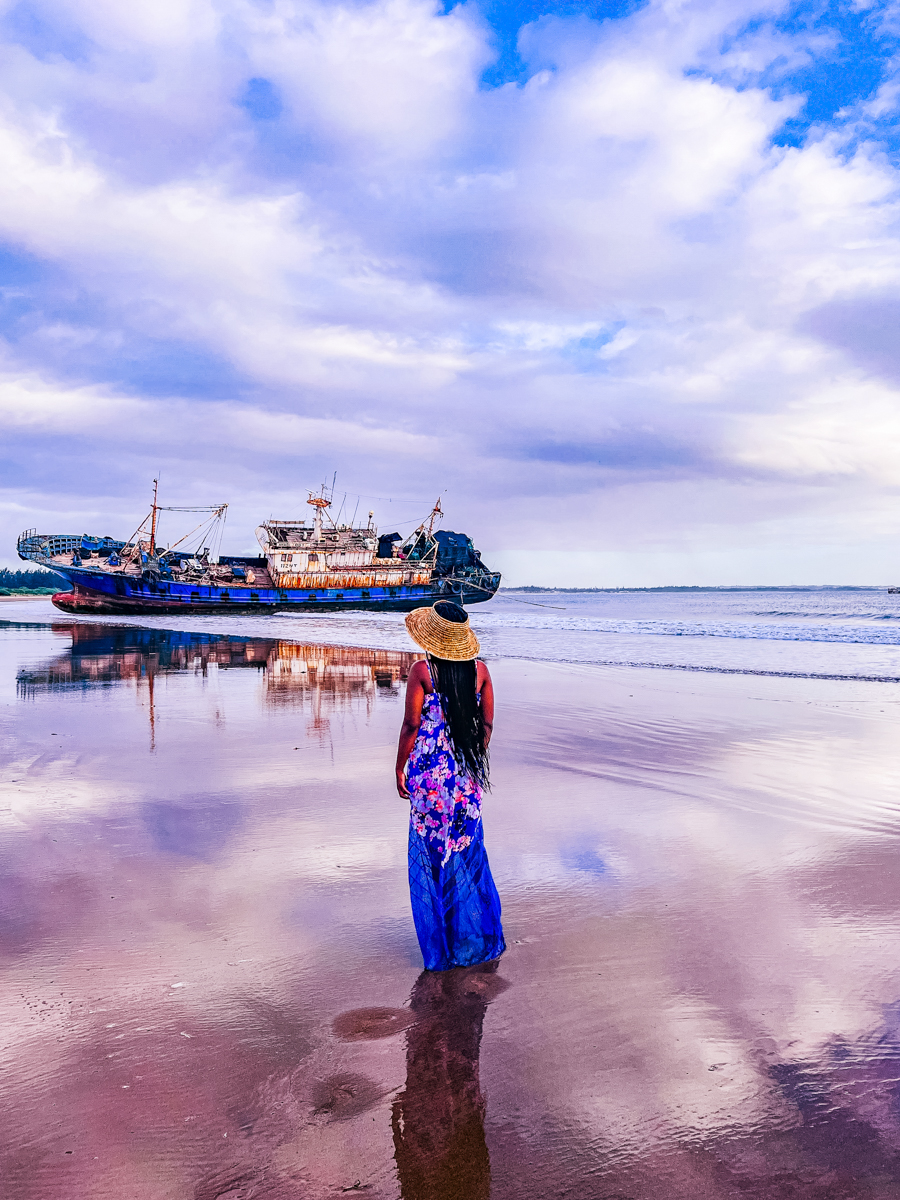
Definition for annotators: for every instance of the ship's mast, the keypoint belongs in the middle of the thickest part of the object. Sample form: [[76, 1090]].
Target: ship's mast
[[153, 520], [319, 503], [436, 512]]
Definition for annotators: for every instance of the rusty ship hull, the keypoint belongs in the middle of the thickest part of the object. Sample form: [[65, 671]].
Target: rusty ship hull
[[100, 592]]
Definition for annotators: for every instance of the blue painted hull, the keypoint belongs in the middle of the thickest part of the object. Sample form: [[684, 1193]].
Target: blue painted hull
[[99, 591]]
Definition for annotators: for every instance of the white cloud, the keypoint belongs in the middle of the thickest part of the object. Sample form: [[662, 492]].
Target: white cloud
[[387, 81], [540, 295]]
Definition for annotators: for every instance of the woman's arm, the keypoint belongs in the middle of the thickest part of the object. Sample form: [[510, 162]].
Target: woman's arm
[[486, 687], [412, 719]]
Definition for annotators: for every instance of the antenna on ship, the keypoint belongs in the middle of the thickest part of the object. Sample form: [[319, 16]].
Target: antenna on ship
[[153, 519], [436, 512]]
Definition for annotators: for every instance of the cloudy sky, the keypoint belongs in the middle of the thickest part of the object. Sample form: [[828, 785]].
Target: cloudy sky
[[621, 280]]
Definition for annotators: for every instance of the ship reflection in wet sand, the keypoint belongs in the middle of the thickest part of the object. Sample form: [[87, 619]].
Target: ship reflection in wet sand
[[319, 678], [211, 988], [110, 654]]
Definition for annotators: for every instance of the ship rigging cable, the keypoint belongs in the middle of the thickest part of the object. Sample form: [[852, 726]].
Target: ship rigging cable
[[515, 599], [212, 525]]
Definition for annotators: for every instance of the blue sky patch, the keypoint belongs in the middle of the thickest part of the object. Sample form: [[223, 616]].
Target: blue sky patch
[[507, 17], [19, 269], [167, 367], [848, 53], [52, 322], [836, 80], [45, 39], [262, 100]]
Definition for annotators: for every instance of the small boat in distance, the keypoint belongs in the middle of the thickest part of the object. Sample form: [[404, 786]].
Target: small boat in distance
[[308, 565]]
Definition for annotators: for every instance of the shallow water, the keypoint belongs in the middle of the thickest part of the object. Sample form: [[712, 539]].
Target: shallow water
[[211, 982], [826, 632]]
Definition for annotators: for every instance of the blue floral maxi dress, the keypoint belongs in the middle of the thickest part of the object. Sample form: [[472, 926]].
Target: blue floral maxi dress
[[455, 905]]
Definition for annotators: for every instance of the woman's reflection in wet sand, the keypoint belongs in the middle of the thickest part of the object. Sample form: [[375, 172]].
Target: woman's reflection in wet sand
[[438, 1120]]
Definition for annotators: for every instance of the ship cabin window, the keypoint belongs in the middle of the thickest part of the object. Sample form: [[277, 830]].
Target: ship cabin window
[[195, 596], [314, 558], [287, 558]]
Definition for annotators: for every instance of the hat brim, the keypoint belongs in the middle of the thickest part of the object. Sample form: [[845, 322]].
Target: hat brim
[[454, 641]]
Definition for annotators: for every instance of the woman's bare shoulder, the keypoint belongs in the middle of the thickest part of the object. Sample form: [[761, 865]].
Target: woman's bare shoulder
[[418, 672], [484, 675]]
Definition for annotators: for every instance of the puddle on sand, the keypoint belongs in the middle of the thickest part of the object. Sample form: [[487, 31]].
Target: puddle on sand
[[211, 985], [366, 1024]]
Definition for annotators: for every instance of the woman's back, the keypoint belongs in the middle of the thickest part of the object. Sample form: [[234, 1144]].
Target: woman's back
[[442, 766], [461, 695]]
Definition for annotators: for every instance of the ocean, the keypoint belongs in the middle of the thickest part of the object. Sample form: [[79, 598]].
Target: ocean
[[807, 632]]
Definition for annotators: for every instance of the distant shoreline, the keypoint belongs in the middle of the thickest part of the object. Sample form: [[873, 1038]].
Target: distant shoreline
[[724, 587]]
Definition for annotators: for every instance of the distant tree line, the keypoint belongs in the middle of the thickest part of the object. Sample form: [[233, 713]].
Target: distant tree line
[[12, 582]]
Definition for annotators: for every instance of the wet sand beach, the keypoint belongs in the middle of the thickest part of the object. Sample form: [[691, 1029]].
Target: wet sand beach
[[212, 987]]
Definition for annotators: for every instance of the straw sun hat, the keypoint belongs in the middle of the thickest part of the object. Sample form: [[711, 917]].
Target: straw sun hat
[[448, 639]]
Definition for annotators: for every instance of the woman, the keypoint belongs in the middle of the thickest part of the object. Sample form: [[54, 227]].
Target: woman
[[442, 767]]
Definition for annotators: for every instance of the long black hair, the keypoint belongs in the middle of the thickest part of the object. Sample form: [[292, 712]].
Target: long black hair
[[457, 686]]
